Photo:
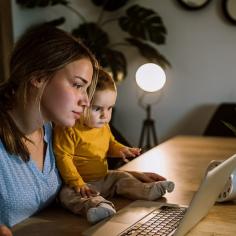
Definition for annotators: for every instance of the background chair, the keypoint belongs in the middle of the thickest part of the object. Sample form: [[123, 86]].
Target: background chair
[[225, 112]]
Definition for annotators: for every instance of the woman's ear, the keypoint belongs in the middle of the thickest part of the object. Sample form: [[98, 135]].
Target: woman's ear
[[37, 82]]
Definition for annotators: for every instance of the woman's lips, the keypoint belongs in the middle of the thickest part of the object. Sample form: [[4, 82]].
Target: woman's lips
[[77, 114]]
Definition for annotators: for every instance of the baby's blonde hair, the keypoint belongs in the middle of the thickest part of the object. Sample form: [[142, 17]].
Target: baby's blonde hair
[[104, 82]]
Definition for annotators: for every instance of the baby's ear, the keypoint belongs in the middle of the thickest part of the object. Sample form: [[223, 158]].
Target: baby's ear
[[37, 82]]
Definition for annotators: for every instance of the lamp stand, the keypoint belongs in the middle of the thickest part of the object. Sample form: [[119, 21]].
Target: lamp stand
[[148, 132]]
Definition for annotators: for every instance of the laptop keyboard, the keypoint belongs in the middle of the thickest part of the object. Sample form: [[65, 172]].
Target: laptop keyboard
[[159, 222]]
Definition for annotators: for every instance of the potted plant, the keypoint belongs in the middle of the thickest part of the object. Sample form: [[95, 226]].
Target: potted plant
[[143, 27]]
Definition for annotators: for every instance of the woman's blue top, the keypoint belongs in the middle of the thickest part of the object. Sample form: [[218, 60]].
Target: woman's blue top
[[24, 189]]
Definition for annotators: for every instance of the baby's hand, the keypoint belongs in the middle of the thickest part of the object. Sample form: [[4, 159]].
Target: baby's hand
[[86, 192], [129, 152]]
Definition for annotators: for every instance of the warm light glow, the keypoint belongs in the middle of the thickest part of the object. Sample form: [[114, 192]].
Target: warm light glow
[[150, 77]]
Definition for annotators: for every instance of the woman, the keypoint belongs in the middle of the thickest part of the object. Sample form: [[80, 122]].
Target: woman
[[50, 75]]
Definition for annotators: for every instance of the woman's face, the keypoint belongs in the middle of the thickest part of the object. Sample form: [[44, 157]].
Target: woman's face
[[65, 96]]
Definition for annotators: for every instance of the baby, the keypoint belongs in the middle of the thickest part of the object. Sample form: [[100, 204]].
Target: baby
[[81, 154]]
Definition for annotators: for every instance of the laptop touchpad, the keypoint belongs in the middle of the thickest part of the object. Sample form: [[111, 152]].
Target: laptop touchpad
[[131, 215]]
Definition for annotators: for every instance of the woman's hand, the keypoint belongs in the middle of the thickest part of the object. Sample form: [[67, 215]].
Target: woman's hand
[[147, 177], [85, 191], [5, 231]]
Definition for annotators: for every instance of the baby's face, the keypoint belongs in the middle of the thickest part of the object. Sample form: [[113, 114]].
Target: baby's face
[[101, 108]]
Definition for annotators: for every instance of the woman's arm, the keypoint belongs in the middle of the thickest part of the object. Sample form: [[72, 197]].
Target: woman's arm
[[147, 177], [5, 231]]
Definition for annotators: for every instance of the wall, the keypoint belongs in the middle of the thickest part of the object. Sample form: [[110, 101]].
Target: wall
[[201, 48], [6, 38]]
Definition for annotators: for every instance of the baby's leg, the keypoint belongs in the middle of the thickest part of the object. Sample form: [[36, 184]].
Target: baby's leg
[[100, 212], [72, 200], [94, 208], [128, 186], [158, 189]]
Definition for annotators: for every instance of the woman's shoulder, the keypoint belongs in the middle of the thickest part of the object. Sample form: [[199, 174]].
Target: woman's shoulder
[[3, 151], [2, 148], [7, 159]]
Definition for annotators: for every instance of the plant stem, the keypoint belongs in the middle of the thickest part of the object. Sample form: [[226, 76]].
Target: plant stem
[[100, 17], [108, 21], [102, 12], [119, 44], [76, 12]]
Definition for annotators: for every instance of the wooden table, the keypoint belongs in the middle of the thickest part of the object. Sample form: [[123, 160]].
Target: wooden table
[[182, 159]]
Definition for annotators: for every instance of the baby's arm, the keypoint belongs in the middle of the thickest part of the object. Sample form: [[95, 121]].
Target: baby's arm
[[117, 149], [64, 144], [147, 177]]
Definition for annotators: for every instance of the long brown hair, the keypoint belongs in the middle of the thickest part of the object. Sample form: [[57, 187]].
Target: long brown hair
[[40, 53]]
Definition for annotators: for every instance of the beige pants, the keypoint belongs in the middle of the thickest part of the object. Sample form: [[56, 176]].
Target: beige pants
[[114, 183]]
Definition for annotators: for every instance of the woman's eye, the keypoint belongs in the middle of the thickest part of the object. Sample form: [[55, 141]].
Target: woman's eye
[[77, 85]]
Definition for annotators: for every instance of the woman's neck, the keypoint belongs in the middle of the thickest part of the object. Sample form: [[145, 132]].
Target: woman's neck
[[27, 118]]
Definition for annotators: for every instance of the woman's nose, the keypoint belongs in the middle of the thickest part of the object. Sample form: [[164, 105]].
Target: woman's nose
[[85, 100]]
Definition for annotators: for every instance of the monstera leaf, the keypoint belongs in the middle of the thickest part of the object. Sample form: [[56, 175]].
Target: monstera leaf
[[97, 41], [57, 22], [92, 35], [40, 3], [149, 52], [144, 27], [111, 5], [115, 62], [144, 24]]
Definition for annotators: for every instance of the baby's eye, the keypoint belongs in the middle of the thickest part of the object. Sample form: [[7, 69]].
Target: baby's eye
[[96, 108], [110, 108]]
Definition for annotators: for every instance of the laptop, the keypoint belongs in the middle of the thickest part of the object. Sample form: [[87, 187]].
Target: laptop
[[140, 214]]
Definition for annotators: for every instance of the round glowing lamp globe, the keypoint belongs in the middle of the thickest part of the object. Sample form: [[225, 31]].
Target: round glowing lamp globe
[[150, 77]]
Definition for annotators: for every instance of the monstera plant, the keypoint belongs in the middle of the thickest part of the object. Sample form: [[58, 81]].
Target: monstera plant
[[143, 27]]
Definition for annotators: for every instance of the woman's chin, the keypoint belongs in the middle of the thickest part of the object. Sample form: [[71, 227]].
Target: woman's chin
[[71, 124], [67, 123]]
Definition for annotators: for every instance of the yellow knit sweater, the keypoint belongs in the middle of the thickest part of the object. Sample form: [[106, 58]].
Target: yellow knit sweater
[[81, 153]]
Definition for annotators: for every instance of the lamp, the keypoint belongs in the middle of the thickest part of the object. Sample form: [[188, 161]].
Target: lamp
[[150, 78]]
